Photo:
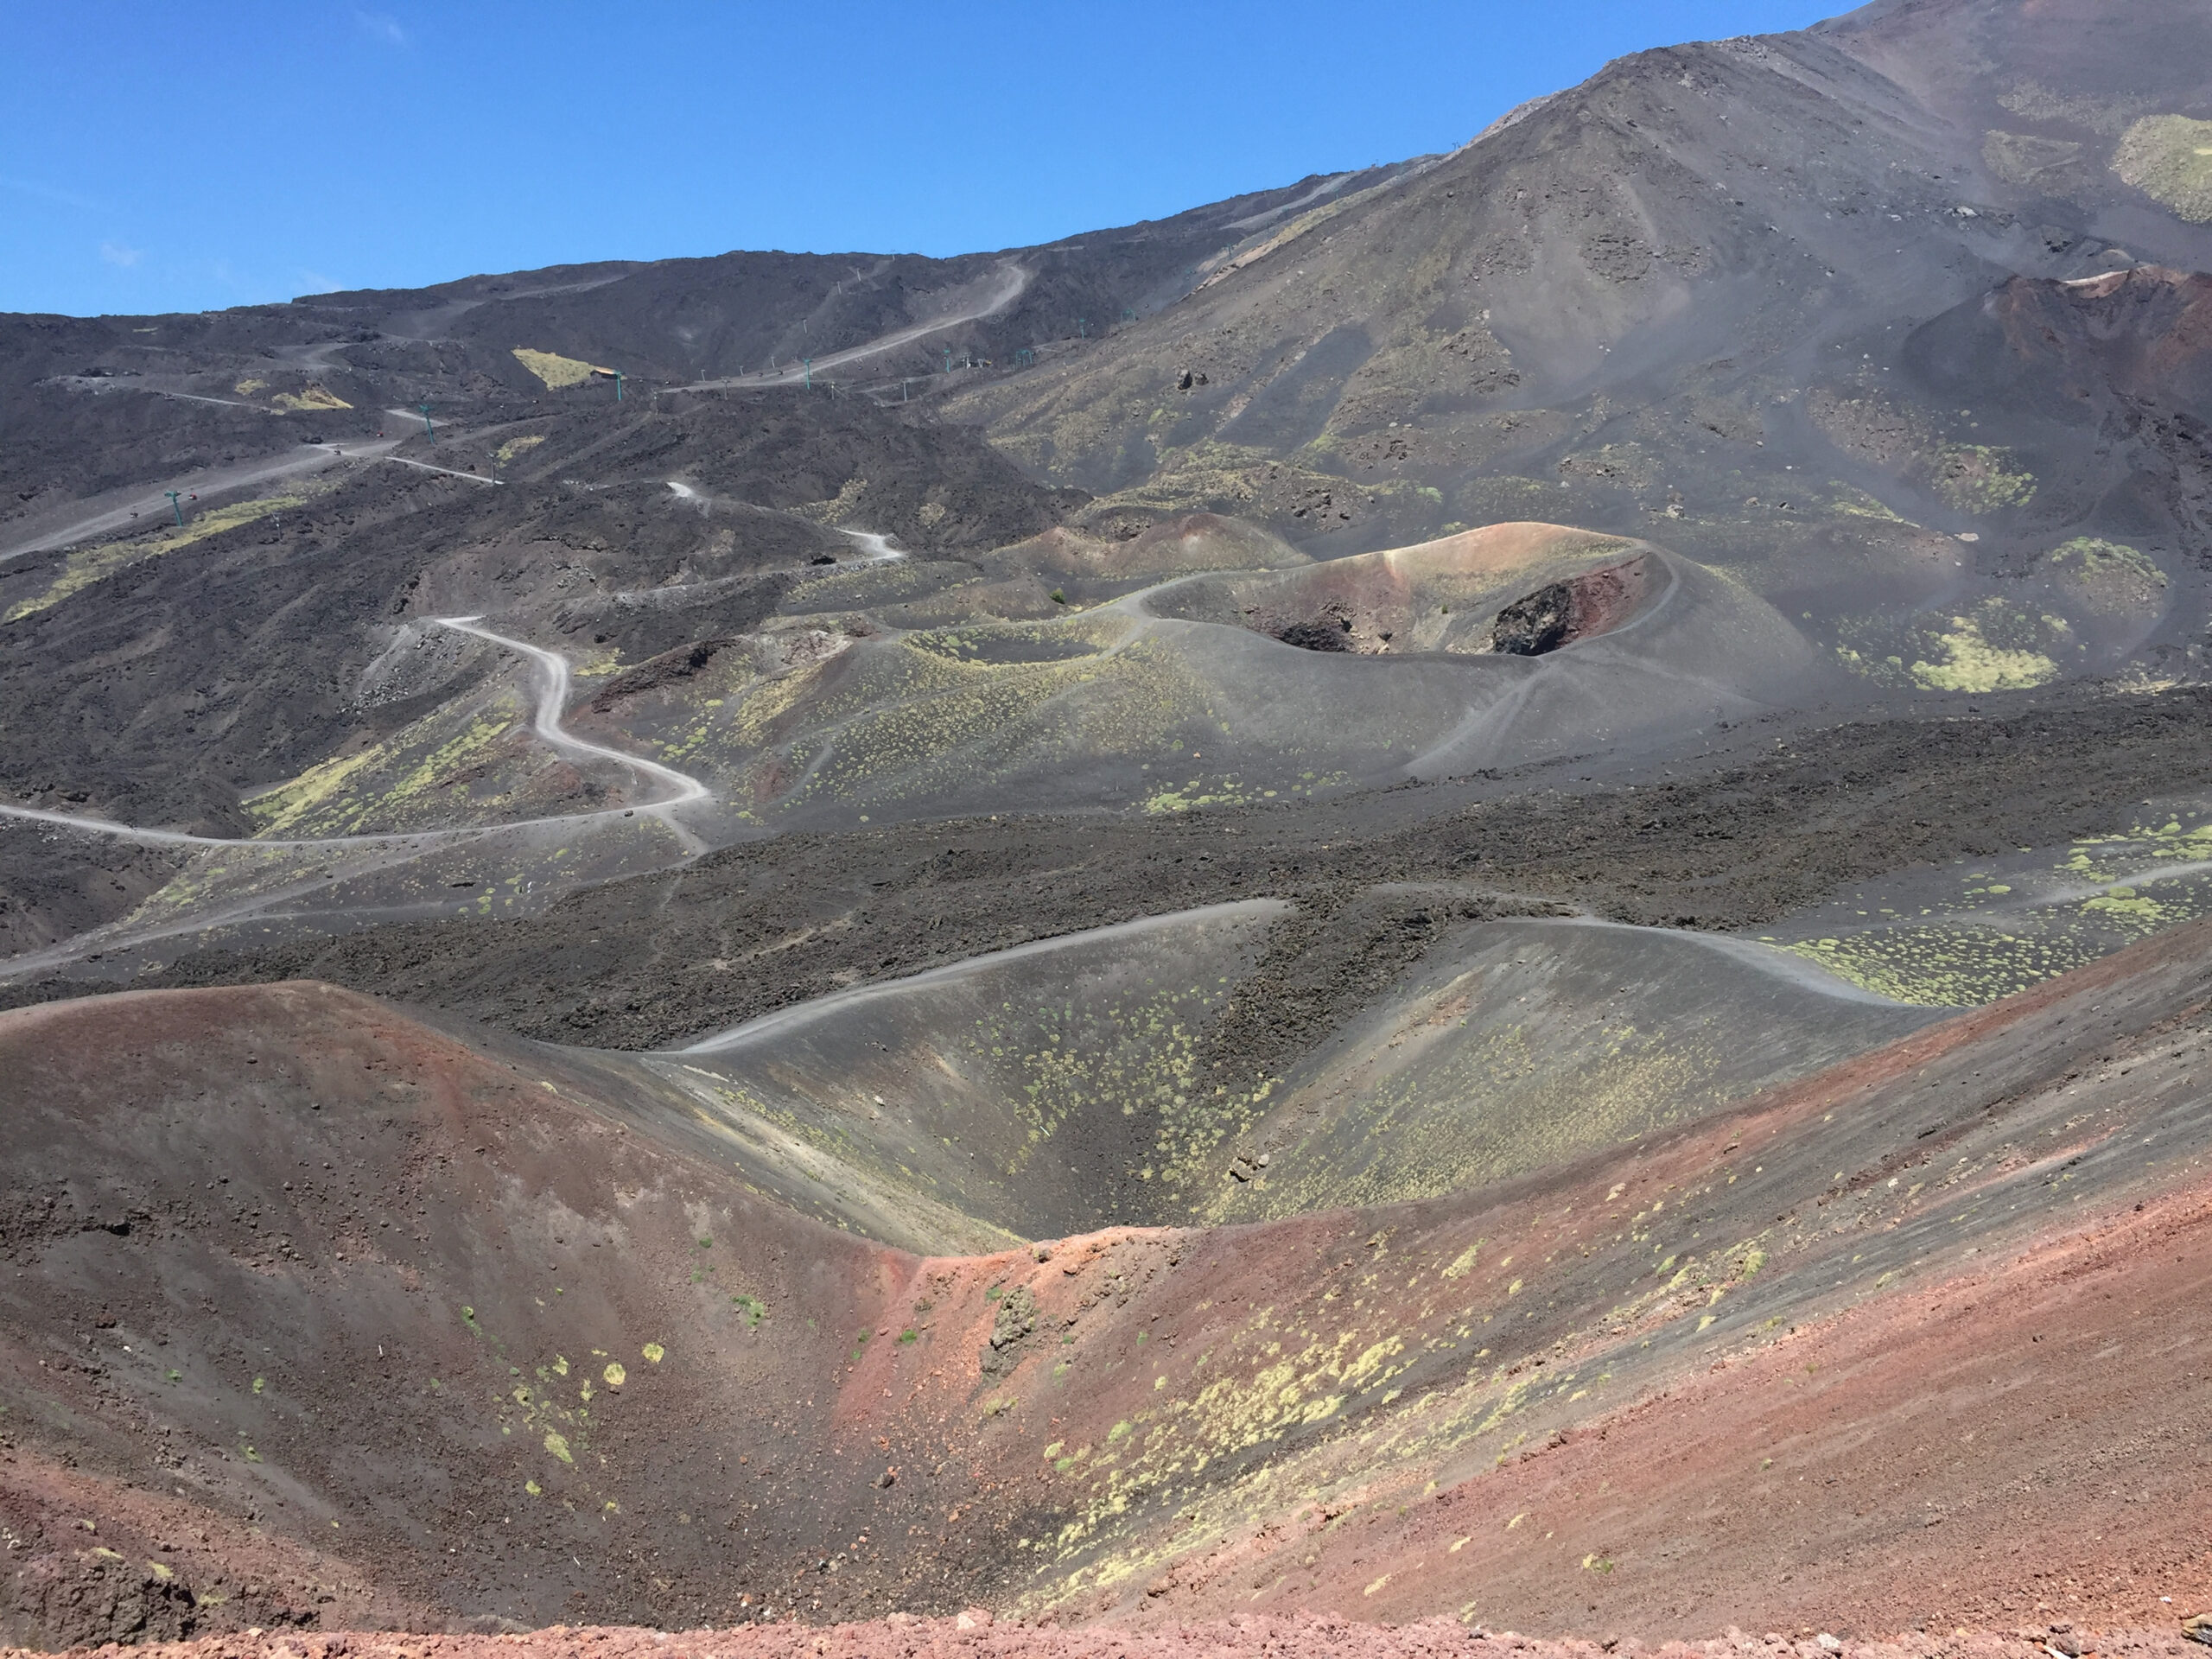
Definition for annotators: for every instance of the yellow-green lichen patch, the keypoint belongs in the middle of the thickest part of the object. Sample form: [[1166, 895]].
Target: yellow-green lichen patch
[[1453, 1093], [1966, 659], [1464, 1262], [312, 396], [1953, 965], [1198, 792], [92, 564], [1977, 478], [2131, 909], [557, 1444], [233, 875], [1141, 1054], [654, 1353], [915, 723], [615, 1377], [470, 761], [555, 370], [1857, 504], [2108, 577], [839, 508], [2169, 158], [286, 808], [514, 447], [1999, 645], [1341, 1431], [1989, 936]]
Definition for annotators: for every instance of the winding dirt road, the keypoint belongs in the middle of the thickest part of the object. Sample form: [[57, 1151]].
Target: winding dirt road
[[683, 789], [554, 698], [874, 548]]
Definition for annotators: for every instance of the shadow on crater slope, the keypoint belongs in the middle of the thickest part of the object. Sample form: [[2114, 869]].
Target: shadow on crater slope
[[1075, 1084]]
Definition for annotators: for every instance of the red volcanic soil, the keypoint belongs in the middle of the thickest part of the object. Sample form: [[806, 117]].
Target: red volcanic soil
[[2026, 1443], [1575, 608], [976, 1635], [2148, 330], [129, 1574], [347, 1301]]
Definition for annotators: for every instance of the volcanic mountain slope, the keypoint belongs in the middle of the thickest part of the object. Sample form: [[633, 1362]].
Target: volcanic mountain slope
[[1799, 840], [1672, 264], [96, 403], [1697, 298], [472, 1324], [899, 687], [710, 318], [161, 680]]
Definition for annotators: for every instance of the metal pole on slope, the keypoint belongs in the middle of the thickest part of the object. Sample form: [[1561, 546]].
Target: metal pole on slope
[[174, 508], [617, 385], [809, 374], [1082, 327], [428, 431]]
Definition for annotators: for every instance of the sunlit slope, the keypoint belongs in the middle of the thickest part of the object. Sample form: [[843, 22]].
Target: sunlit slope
[[1174, 547], [1589, 640], [1439, 595], [1521, 1045], [1790, 304], [1985, 928], [1089, 1081], [1490, 648]]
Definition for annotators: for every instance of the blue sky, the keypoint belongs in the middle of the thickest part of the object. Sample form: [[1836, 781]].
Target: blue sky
[[183, 157]]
